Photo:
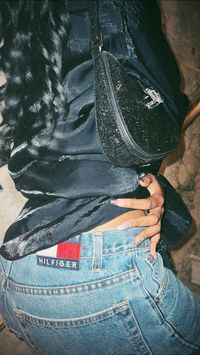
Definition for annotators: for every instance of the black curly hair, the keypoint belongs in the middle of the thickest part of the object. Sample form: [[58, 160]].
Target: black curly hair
[[33, 32]]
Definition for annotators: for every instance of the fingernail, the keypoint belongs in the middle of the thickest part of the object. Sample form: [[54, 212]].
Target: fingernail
[[138, 242], [117, 203], [141, 176], [151, 258], [124, 226], [114, 202]]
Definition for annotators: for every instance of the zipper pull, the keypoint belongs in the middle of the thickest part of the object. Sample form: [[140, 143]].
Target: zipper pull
[[154, 96]]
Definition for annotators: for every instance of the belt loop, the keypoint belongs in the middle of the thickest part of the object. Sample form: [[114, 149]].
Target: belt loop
[[97, 252]]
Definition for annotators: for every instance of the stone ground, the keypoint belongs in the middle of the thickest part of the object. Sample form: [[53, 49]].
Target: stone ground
[[181, 23], [11, 345]]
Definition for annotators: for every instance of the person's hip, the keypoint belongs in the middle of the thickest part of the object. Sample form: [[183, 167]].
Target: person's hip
[[117, 298]]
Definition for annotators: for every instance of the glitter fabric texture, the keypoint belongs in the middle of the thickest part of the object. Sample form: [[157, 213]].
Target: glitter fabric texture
[[132, 123]]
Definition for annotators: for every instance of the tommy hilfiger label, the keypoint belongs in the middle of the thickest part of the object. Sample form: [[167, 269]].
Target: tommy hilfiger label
[[65, 255], [57, 262]]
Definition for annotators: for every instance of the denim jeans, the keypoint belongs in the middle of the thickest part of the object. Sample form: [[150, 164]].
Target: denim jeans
[[122, 300]]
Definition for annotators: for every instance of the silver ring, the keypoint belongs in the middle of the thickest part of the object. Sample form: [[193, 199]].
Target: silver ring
[[146, 212]]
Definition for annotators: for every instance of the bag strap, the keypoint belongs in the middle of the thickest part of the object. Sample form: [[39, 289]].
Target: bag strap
[[96, 38]]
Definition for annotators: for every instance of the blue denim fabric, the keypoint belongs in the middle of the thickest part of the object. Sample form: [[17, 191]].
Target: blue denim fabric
[[121, 301]]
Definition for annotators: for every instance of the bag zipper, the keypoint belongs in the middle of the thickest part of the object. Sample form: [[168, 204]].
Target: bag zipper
[[120, 121]]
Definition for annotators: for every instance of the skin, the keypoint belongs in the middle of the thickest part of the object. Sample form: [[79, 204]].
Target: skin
[[154, 207]]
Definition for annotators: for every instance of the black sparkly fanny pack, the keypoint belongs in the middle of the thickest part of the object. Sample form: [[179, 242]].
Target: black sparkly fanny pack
[[132, 123]]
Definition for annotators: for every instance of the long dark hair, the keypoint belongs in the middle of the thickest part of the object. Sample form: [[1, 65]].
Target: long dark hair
[[33, 34], [31, 57]]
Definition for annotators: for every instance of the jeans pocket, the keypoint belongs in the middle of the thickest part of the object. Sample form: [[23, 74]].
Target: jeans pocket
[[4, 312], [110, 331], [181, 311], [1, 290], [172, 304], [152, 274]]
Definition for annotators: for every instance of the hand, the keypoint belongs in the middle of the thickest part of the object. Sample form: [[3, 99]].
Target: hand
[[153, 211]]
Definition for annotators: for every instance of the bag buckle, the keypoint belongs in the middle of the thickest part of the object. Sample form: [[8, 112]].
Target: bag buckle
[[155, 98], [100, 40]]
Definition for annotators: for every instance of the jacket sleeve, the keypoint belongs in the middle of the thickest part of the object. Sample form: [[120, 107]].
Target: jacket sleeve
[[4, 128], [154, 59], [2, 80]]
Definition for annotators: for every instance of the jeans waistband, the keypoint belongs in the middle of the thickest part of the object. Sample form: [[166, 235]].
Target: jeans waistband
[[94, 247], [111, 242]]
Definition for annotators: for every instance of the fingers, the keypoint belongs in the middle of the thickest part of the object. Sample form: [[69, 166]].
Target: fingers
[[153, 244], [153, 204], [140, 204], [148, 232], [152, 232], [155, 199], [155, 190], [143, 221], [146, 180], [151, 183], [153, 240]]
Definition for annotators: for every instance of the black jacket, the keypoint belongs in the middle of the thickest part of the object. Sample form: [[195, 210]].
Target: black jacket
[[67, 179]]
